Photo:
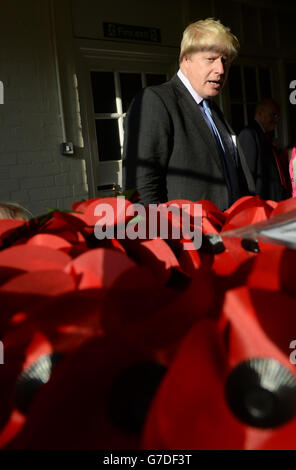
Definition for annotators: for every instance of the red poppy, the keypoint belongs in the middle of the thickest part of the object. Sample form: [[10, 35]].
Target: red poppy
[[205, 411], [109, 316], [189, 410], [31, 290], [98, 267], [154, 254], [154, 316], [59, 325], [288, 205], [50, 240], [75, 409], [247, 210], [33, 258]]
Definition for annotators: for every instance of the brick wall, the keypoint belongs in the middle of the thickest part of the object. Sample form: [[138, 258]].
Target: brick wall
[[32, 170]]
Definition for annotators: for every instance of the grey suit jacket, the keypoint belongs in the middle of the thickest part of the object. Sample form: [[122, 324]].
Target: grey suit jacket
[[169, 151], [262, 163]]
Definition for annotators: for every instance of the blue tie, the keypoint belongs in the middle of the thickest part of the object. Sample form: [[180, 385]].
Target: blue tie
[[226, 150], [212, 125]]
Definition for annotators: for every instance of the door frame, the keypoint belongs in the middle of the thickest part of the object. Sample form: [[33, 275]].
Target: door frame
[[112, 56]]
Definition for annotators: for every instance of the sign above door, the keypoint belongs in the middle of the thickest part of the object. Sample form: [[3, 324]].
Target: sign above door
[[131, 32]]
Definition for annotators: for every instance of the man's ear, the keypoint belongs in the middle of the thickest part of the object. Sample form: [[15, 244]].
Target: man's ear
[[184, 62]]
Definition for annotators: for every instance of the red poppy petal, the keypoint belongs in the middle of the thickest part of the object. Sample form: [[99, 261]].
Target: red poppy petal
[[189, 261], [33, 258], [227, 262], [30, 290], [17, 356], [208, 226], [282, 438], [261, 275], [189, 410], [247, 211], [9, 224], [255, 331], [112, 209], [48, 283], [156, 317], [12, 428], [99, 267], [7, 273], [81, 417], [65, 221], [237, 204], [52, 241], [284, 206], [211, 212], [154, 254], [66, 321]]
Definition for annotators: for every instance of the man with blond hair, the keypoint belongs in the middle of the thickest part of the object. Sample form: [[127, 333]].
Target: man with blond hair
[[177, 143]]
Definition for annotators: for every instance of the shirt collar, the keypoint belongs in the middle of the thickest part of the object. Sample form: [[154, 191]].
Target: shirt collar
[[189, 87]]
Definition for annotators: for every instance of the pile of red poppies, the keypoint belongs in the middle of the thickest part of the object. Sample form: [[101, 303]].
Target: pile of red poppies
[[140, 344]]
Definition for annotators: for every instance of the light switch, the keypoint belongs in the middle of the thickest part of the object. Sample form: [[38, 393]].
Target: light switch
[[67, 148]]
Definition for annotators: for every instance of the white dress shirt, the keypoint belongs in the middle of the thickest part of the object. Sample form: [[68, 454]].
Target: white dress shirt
[[189, 87]]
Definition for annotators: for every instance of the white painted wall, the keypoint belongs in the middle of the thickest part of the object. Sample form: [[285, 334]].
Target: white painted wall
[[32, 170]]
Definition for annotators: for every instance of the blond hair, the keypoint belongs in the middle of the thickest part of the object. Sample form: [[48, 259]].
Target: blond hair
[[13, 210], [209, 34]]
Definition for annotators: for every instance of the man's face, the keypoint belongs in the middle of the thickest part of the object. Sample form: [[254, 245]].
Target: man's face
[[207, 72], [269, 117]]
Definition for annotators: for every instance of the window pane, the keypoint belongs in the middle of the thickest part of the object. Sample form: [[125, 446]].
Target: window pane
[[268, 24], [286, 28], [103, 90], [237, 117], [251, 111], [155, 79], [235, 84], [264, 81], [250, 83], [108, 139], [250, 23], [131, 83]]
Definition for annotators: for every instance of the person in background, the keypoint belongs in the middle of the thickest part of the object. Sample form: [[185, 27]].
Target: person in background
[[288, 163], [292, 168], [177, 143], [260, 153], [13, 210]]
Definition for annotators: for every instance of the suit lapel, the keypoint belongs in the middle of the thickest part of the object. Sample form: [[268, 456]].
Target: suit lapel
[[241, 156], [191, 109]]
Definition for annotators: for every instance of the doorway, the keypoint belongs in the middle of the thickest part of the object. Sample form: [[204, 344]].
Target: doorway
[[110, 83]]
